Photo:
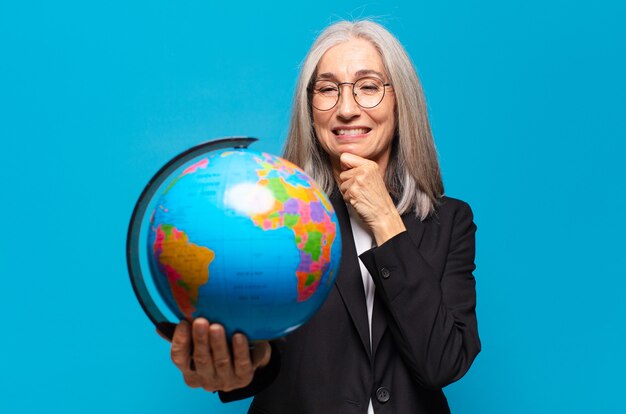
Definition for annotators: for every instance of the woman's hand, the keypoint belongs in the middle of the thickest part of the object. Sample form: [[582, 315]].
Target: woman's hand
[[215, 367], [362, 185]]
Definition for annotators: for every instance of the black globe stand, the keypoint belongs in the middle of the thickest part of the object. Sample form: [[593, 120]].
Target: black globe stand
[[166, 328]]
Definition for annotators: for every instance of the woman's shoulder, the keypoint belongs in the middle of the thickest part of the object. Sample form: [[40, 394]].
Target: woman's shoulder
[[453, 204], [451, 209]]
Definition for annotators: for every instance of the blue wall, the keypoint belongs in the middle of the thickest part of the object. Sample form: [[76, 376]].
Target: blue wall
[[528, 105]]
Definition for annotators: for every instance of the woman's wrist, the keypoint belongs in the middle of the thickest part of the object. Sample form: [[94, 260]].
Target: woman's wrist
[[387, 226]]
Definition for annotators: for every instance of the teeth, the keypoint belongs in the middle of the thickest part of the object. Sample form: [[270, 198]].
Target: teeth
[[357, 131]]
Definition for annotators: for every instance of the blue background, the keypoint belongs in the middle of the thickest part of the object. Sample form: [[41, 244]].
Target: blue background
[[528, 105]]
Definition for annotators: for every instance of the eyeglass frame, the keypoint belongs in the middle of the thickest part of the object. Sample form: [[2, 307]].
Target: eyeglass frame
[[354, 95]]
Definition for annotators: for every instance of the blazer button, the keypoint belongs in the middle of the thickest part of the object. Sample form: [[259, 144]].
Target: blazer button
[[385, 273], [382, 395]]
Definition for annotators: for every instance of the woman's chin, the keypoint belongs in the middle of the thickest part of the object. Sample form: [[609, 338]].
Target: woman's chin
[[351, 148]]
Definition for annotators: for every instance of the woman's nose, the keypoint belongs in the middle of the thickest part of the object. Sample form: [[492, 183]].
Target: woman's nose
[[347, 106]]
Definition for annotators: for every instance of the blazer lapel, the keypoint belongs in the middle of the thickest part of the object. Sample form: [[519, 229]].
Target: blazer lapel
[[349, 282], [415, 228]]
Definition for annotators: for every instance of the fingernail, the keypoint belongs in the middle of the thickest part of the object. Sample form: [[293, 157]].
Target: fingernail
[[201, 329], [238, 339]]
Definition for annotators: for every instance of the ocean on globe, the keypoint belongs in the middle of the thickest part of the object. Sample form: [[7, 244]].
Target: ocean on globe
[[245, 239]]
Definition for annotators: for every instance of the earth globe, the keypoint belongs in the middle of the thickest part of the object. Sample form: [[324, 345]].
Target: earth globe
[[243, 238]]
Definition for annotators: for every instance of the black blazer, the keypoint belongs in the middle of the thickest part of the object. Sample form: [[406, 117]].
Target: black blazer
[[424, 330]]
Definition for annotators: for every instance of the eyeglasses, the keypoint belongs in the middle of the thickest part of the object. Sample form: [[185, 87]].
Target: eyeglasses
[[368, 93]]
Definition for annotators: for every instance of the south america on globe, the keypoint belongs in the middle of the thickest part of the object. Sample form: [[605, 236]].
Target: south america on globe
[[243, 238]]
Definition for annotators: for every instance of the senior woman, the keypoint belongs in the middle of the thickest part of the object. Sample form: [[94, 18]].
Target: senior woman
[[401, 322]]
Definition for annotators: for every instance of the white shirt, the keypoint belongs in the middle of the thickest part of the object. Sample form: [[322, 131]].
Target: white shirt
[[363, 241]]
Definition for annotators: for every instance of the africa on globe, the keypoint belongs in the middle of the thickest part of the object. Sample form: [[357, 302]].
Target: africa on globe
[[243, 238]]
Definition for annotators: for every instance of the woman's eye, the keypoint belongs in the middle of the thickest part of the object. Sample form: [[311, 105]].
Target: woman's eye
[[327, 89], [369, 88]]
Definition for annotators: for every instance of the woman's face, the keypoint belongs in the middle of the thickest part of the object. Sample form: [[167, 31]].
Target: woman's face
[[347, 127]]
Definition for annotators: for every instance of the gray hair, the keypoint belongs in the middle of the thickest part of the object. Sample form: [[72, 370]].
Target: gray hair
[[413, 176]]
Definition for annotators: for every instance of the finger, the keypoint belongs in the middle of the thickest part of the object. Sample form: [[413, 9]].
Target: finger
[[348, 174], [348, 196], [241, 355], [348, 161], [192, 379], [220, 353], [345, 186], [261, 354], [351, 190], [201, 348], [181, 342]]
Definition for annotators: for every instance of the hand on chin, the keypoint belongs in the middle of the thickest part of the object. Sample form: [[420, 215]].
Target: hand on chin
[[362, 186]]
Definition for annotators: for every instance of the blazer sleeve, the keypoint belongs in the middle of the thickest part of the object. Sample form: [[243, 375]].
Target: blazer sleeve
[[430, 313]]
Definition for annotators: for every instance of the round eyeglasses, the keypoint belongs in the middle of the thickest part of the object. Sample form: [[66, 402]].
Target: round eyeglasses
[[368, 93]]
